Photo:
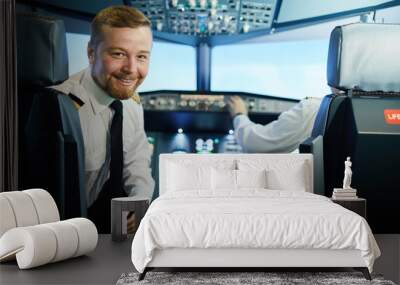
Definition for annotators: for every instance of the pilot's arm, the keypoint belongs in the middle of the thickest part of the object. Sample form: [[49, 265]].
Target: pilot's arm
[[282, 135], [137, 179]]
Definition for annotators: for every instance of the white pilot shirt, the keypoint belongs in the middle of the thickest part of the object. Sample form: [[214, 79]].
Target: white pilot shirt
[[283, 135], [95, 117]]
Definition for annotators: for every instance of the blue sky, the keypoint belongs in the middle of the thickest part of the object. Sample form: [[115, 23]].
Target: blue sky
[[286, 69]]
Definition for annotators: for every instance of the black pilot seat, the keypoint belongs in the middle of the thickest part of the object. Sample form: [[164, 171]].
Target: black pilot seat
[[363, 122]]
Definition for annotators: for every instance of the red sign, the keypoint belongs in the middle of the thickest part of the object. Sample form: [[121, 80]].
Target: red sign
[[392, 116]]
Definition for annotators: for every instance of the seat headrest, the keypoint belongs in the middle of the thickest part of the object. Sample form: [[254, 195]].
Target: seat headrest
[[365, 56], [41, 50]]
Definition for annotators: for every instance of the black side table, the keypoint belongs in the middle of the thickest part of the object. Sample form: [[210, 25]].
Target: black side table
[[358, 205], [119, 208]]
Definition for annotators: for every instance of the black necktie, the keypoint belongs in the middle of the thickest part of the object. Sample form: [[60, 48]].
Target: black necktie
[[117, 158]]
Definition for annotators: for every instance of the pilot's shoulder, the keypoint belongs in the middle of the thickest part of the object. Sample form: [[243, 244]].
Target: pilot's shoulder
[[73, 89], [71, 84], [78, 103]]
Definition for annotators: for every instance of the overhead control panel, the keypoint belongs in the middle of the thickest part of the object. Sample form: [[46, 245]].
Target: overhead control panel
[[211, 102], [207, 17]]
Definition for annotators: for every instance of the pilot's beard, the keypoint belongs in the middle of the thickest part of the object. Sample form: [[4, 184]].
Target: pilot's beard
[[120, 93]]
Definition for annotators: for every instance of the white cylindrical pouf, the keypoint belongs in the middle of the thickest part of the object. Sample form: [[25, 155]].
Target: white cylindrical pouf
[[7, 218], [23, 208], [87, 233], [34, 246], [67, 239], [45, 205]]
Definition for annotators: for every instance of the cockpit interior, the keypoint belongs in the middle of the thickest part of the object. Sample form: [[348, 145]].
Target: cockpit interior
[[271, 53]]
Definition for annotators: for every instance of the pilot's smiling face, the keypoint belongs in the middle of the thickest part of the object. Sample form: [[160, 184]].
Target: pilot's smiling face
[[120, 61]]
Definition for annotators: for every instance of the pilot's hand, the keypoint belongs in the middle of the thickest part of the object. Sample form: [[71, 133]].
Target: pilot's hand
[[236, 105], [131, 223]]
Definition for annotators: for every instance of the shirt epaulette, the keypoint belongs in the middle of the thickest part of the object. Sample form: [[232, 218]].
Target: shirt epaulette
[[135, 97], [78, 103]]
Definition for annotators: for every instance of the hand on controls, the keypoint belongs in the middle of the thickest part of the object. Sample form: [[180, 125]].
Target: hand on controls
[[236, 105]]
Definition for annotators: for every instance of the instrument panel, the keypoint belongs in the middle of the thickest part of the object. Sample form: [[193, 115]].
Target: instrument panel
[[211, 102], [198, 122]]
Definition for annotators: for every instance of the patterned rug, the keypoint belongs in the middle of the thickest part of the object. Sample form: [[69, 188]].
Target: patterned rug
[[243, 278]]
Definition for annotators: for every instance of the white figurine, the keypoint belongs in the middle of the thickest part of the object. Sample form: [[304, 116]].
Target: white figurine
[[347, 174]]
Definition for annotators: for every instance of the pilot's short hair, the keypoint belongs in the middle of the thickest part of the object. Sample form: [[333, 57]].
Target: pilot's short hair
[[119, 16]]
